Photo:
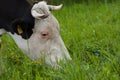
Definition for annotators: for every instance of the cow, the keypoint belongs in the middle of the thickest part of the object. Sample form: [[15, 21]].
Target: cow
[[34, 29]]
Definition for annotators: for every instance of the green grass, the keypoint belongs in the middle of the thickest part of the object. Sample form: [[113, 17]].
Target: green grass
[[91, 33]]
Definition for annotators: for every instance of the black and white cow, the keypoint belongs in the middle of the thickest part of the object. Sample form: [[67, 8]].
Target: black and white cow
[[34, 29]]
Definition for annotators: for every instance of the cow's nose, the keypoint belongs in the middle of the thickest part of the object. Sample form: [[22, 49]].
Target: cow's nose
[[44, 35]]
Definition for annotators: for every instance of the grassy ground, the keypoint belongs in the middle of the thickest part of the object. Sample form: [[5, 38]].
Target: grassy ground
[[91, 33]]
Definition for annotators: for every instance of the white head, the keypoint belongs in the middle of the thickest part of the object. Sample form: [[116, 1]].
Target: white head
[[46, 40]]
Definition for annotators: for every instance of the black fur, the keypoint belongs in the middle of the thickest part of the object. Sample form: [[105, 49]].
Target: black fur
[[14, 13]]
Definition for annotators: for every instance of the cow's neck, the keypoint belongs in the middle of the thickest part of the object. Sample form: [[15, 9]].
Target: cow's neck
[[22, 43]]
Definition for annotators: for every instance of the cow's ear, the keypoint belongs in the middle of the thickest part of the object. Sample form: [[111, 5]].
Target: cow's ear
[[37, 15]]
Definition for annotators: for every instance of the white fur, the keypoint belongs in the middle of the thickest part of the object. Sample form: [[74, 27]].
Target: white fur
[[40, 9], [2, 31], [22, 43]]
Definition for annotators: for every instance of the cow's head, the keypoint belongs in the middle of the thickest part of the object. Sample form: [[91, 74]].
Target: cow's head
[[46, 40]]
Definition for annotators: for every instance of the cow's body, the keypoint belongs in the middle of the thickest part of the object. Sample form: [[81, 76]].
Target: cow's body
[[14, 13], [34, 29]]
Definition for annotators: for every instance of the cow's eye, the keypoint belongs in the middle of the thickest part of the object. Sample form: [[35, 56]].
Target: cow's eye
[[45, 35]]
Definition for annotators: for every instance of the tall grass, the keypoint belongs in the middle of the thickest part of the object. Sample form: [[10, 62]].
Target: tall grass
[[91, 34]]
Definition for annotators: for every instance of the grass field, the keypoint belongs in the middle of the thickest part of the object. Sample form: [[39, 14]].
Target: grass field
[[91, 32]]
